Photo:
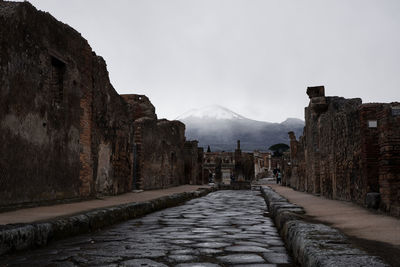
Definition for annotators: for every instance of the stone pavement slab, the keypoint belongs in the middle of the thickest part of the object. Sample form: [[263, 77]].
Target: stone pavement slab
[[42, 213], [160, 238]]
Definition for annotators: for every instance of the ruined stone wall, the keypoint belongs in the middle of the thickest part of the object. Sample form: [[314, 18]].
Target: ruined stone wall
[[346, 146], [298, 173], [248, 166], [140, 106], [59, 115], [388, 118], [112, 135], [369, 148], [326, 159], [161, 157], [192, 163], [203, 177], [337, 150], [159, 160], [43, 97]]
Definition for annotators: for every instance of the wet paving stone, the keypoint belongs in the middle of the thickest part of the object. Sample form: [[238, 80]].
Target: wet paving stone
[[212, 245], [276, 257], [224, 228], [246, 249], [241, 258], [198, 264], [142, 263]]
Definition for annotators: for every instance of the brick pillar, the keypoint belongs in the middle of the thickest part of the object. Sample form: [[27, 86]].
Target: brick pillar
[[138, 157], [369, 148], [293, 179], [389, 158], [85, 139]]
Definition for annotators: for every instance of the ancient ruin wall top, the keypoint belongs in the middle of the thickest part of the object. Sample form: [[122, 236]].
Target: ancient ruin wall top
[[292, 136], [316, 91], [140, 106]]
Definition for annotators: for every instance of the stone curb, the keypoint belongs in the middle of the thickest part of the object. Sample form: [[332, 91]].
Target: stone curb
[[313, 244], [16, 237]]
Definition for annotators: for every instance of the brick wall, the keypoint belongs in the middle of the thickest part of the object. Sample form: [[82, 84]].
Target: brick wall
[[348, 150], [161, 157], [193, 163], [59, 115], [389, 157], [45, 92], [159, 160], [112, 135]]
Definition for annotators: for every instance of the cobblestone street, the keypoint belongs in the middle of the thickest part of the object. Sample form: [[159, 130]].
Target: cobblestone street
[[224, 228]]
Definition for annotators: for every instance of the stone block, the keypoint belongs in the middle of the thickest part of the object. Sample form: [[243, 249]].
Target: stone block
[[314, 244], [316, 91]]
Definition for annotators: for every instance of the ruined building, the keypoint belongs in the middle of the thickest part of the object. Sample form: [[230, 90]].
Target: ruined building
[[226, 165], [194, 163], [262, 164], [159, 147], [348, 151], [65, 133]]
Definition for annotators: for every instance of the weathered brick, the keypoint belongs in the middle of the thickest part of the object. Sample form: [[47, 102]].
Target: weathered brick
[[347, 150]]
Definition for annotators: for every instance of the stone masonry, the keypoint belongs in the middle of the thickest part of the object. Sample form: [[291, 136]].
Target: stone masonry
[[163, 157], [193, 163], [349, 151], [65, 133]]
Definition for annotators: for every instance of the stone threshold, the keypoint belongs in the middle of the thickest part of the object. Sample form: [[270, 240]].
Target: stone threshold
[[313, 244], [18, 237]]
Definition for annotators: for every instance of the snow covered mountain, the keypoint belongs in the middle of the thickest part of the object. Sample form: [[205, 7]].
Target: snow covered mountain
[[211, 112], [220, 127]]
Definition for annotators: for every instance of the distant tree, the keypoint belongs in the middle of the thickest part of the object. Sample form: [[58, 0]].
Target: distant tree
[[208, 149], [278, 149]]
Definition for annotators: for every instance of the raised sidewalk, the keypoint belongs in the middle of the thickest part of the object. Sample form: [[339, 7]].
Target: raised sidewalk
[[43, 213], [376, 233], [34, 227]]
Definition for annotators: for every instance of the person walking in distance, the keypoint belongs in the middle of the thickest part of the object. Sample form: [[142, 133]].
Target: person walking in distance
[[279, 177]]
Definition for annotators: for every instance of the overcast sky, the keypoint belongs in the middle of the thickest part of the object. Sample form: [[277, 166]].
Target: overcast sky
[[254, 57]]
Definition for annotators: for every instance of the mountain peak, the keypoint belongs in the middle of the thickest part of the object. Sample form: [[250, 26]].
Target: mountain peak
[[292, 121], [220, 128], [211, 112]]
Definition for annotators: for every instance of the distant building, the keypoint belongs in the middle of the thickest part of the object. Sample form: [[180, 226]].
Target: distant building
[[262, 163], [227, 166]]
